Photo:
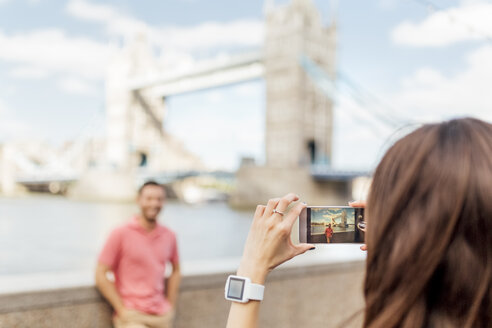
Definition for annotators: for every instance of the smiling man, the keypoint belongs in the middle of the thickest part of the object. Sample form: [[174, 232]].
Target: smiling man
[[137, 253]]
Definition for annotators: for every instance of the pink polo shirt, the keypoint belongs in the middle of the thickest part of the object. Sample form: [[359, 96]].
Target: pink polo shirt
[[138, 260]]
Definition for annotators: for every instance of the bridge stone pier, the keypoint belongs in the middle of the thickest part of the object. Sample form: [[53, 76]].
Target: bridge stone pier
[[7, 182]]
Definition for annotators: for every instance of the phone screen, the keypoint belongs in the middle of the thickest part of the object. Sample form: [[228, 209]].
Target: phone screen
[[331, 224]]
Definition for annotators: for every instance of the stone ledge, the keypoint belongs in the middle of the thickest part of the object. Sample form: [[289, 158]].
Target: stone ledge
[[26, 301], [305, 292]]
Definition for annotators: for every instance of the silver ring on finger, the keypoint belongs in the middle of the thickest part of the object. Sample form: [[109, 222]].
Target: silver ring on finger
[[278, 212]]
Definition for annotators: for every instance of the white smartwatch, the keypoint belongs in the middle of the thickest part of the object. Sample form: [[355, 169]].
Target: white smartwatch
[[240, 289]]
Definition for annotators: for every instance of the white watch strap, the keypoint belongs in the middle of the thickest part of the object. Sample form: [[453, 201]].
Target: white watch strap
[[255, 292]]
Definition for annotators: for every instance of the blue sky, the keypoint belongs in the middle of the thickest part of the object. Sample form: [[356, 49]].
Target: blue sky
[[424, 63]]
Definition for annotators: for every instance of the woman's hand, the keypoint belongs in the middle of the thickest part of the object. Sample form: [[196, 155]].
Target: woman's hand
[[268, 243], [359, 203]]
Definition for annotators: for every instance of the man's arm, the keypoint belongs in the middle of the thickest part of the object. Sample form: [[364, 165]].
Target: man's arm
[[173, 282], [108, 289]]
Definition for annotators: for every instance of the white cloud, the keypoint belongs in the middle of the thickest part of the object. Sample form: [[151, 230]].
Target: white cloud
[[117, 23], [28, 72], [432, 95], [471, 21], [425, 76], [52, 51], [10, 127], [211, 34], [43, 53], [203, 36], [429, 95], [74, 85], [387, 4]]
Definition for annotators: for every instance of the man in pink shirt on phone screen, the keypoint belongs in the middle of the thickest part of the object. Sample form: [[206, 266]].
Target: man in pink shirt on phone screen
[[137, 253]]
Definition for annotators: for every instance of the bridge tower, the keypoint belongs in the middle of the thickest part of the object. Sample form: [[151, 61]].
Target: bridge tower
[[135, 135], [136, 144], [299, 118], [133, 118]]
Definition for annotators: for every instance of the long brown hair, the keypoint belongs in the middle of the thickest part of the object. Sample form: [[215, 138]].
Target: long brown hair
[[429, 230]]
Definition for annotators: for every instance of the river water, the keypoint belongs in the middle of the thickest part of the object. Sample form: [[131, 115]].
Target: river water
[[43, 234]]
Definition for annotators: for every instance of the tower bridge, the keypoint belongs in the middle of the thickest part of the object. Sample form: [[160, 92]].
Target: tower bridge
[[299, 113]]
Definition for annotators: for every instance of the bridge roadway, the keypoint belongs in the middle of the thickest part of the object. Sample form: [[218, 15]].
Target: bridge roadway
[[319, 173], [185, 185], [54, 183]]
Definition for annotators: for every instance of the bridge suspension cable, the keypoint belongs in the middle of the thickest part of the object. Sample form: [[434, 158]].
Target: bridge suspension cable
[[380, 112], [384, 112], [326, 84]]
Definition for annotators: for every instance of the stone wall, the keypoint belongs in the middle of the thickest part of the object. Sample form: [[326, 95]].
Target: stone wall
[[321, 295]]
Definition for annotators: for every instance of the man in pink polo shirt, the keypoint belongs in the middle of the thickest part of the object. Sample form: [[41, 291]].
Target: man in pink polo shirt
[[137, 253]]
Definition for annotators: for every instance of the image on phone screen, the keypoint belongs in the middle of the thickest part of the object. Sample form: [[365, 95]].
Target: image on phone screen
[[330, 224]]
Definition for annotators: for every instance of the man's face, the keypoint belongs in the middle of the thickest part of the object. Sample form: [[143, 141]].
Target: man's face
[[150, 201]]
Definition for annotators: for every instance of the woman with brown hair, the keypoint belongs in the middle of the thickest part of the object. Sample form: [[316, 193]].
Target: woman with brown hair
[[428, 233]]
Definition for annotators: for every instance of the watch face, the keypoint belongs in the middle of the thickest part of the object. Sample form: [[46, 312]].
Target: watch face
[[236, 288]]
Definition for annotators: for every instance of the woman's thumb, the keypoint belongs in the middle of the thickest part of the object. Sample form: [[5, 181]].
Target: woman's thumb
[[302, 248]]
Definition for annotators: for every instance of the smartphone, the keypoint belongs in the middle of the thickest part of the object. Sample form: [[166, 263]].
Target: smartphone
[[332, 224]]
